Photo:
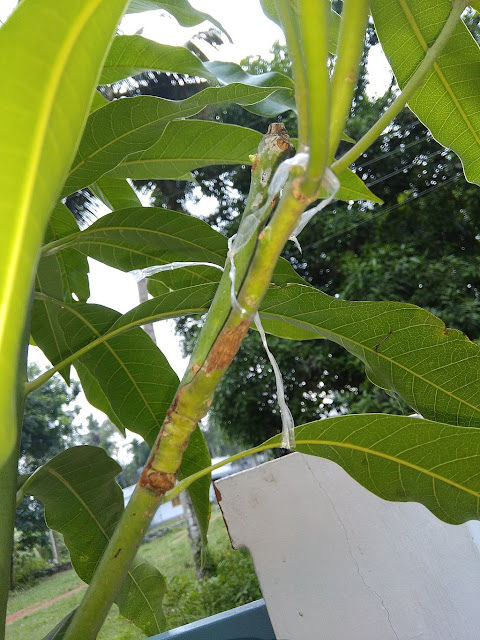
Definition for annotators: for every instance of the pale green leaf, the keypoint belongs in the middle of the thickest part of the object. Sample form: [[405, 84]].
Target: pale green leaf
[[52, 54], [182, 10], [353, 188], [84, 503], [98, 101], [448, 100], [403, 459], [189, 144], [405, 349], [115, 194], [130, 125], [132, 55], [280, 101], [270, 10]]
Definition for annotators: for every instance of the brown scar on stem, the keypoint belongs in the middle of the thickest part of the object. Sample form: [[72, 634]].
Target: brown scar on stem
[[157, 481], [118, 552], [383, 340], [225, 347], [196, 368]]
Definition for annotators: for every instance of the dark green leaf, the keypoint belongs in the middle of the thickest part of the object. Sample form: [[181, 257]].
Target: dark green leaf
[[403, 459], [58, 632], [182, 10], [130, 125], [190, 144], [72, 264], [84, 503], [447, 102], [405, 349], [132, 55], [280, 101], [196, 458], [146, 236], [115, 194]]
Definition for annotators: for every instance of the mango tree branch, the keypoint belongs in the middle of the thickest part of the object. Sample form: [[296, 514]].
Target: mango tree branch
[[345, 74], [292, 36], [314, 16], [410, 88]]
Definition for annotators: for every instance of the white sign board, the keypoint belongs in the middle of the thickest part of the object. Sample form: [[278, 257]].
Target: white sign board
[[336, 562]]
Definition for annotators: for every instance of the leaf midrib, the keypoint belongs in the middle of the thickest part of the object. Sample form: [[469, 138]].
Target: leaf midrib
[[386, 456], [372, 351], [64, 481], [418, 34]]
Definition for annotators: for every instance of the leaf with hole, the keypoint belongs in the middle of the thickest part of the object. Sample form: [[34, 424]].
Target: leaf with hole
[[403, 459], [447, 102], [84, 503]]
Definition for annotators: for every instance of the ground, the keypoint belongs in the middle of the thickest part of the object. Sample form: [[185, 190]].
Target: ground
[[32, 613]]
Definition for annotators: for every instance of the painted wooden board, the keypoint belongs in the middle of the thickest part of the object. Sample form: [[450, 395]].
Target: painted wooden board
[[337, 563]]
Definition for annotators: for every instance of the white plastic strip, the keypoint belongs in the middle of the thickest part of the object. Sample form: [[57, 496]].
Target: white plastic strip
[[331, 185], [288, 425], [277, 183], [139, 274]]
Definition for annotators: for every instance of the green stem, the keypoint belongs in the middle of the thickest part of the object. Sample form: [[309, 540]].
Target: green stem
[[314, 17], [113, 566], [186, 482], [410, 88], [9, 483], [288, 20], [345, 74]]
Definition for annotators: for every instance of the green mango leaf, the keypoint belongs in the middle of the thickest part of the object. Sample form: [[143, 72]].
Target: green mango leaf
[[353, 188], [125, 126], [98, 101], [132, 55], [189, 144], [280, 101], [130, 370], [195, 458], [403, 459], [73, 265], [115, 194], [95, 394], [447, 102], [405, 349], [182, 10], [84, 503], [270, 10], [57, 45], [45, 327], [146, 236]]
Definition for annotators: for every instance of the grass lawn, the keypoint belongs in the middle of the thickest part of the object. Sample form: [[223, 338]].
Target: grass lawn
[[232, 584]]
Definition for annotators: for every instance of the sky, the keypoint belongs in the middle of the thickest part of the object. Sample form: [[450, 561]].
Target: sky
[[252, 34]]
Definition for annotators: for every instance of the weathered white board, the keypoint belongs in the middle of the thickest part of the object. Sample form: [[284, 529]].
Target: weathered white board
[[337, 563]]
